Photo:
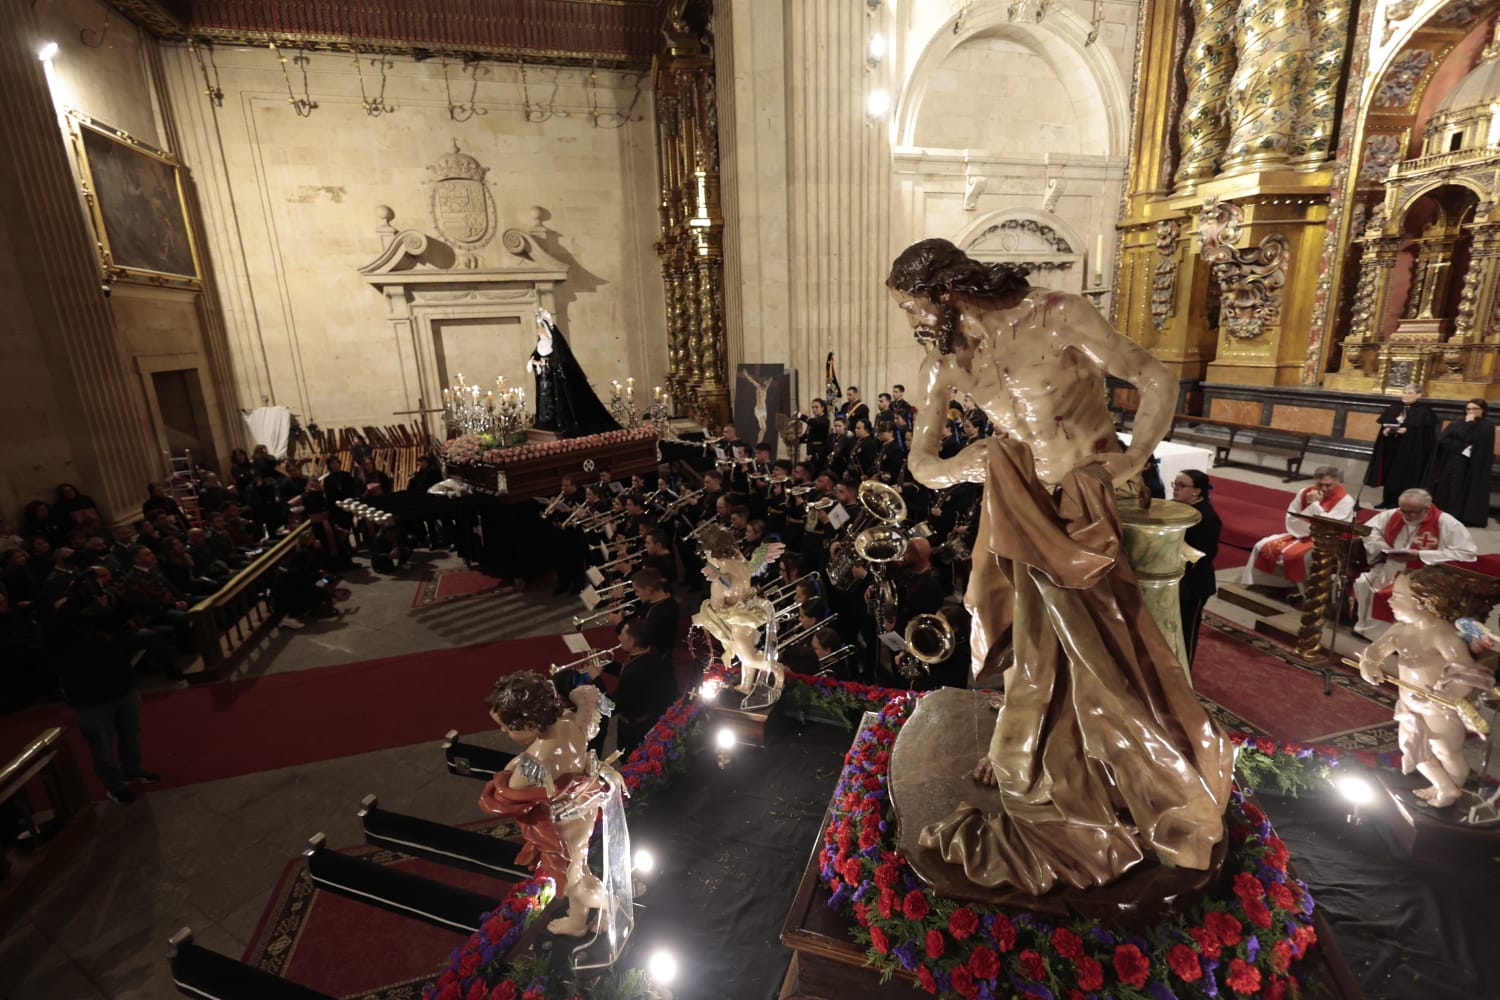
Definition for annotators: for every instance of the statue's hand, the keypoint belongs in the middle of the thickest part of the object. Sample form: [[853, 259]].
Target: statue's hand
[[1371, 672], [1122, 466]]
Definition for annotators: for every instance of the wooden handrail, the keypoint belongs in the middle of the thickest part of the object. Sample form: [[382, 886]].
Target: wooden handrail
[[265, 561]]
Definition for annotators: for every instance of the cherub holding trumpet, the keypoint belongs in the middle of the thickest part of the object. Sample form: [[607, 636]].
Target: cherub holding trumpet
[[1439, 681], [734, 614]]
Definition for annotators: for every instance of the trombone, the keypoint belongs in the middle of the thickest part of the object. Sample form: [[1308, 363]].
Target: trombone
[[828, 661], [803, 634], [624, 608], [676, 505], [583, 662]]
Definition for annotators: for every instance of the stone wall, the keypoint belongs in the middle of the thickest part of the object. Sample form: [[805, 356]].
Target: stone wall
[[290, 204]]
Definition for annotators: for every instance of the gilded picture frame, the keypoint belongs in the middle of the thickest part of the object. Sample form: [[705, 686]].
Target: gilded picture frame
[[137, 205]]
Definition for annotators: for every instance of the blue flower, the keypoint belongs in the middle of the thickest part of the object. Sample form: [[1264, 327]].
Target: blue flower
[[1252, 947], [906, 954]]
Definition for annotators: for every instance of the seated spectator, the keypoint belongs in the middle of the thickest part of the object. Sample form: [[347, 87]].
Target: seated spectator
[[177, 566], [212, 494], [152, 600], [206, 561], [376, 482], [240, 469], [427, 475], [390, 549], [38, 518], [302, 590], [157, 499], [75, 509], [1411, 535], [1282, 561], [15, 576]]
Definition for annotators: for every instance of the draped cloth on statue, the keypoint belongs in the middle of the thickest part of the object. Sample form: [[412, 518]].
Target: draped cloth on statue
[[1101, 749], [531, 809], [565, 401]]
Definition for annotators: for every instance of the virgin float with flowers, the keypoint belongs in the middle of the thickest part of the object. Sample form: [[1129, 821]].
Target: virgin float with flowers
[[535, 468]]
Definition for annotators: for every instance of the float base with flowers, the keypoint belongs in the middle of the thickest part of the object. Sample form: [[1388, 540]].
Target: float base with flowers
[[861, 923], [534, 469]]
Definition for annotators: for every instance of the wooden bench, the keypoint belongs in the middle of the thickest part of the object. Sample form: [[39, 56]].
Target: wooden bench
[[227, 620], [1222, 435]]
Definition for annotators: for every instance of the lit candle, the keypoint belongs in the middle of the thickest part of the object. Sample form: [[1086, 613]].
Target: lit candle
[[657, 392], [1099, 254]]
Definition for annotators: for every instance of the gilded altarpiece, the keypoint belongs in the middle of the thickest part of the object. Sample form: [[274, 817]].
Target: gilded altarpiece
[[1223, 224], [692, 224]]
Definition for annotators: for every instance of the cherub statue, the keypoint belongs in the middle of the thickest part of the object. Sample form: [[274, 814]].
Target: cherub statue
[[734, 613], [1439, 678], [554, 788]]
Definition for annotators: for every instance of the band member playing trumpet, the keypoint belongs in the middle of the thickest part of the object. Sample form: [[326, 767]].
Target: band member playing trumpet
[[647, 685], [655, 612]]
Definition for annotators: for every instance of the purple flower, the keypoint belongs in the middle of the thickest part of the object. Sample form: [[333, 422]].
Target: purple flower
[[1210, 985], [1159, 991], [1252, 947], [906, 954]]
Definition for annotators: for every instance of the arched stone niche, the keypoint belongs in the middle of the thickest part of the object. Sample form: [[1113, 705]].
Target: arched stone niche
[[431, 291], [1052, 249]]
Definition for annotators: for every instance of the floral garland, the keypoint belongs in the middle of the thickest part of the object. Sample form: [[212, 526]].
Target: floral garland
[[1295, 767], [1245, 942], [471, 449], [473, 965]]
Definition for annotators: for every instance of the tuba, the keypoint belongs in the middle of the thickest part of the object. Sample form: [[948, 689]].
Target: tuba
[[929, 640], [882, 510]]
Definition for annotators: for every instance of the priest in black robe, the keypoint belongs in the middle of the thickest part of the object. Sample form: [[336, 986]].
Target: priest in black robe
[[1403, 451], [1461, 471], [565, 402]]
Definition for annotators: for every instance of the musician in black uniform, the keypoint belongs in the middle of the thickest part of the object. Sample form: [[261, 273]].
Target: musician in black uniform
[[854, 409], [658, 555], [840, 449], [890, 461], [816, 437], [655, 610], [865, 459], [647, 685], [904, 412]]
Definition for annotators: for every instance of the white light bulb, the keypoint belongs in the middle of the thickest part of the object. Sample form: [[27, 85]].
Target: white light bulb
[[663, 967], [877, 47], [47, 51], [644, 862], [877, 104], [725, 739], [710, 689], [1355, 789]]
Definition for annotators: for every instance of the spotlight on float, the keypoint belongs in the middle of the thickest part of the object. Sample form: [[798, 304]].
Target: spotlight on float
[[723, 746], [662, 967], [643, 864], [709, 690], [1356, 790], [47, 51]]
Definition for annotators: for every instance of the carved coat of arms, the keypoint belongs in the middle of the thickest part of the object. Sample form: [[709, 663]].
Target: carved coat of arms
[[462, 209]]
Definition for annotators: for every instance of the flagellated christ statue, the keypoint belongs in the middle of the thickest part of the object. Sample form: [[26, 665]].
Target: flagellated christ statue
[[1101, 751]]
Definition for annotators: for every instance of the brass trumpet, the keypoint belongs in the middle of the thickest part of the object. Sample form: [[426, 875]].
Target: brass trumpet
[[929, 640], [584, 661], [552, 504], [625, 608], [681, 502], [797, 491]]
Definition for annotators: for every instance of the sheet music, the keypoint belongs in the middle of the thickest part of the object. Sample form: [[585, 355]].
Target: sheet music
[[838, 516], [575, 642]]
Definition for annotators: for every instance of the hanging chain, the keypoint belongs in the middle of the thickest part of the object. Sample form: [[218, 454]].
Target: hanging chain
[[541, 113], [377, 107], [304, 105], [211, 88], [1095, 21], [611, 119], [463, 112]]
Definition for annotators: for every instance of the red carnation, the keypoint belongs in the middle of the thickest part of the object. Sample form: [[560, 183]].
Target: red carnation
[[1090, 974], [1243, 977], [1275, 990], [1131, 966], [887, 903], [449, 992], [1032, 966], [1068, 945], [469, 964], [963, 981], [886, 876], [1005, 932], [1276, 853], [1281, 956], [915, 905], [962, 922], [868, 838], [1247, 886], [477, 990], [936, 943], [1258, 913], [1253, 813], [496, 927], [1225, 927], [879, 940], [1181, 960], [1282, 897], [1303, 938], [850, 869], [924, 976], [505, 990], [533, 994], [1208, 941], [984, 963], [1075, 995], [1264, 745]]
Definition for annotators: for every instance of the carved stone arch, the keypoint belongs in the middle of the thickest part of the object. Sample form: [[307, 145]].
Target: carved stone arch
[[1062, 30], [1052, 248], [1408, 198]]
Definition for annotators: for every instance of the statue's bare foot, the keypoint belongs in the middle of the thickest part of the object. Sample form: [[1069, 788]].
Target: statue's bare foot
[[984, 773], [575, 924], [1438, 797]]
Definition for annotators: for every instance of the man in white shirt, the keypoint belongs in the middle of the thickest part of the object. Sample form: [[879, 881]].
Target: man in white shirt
[[1282, 561], [1413, 535]]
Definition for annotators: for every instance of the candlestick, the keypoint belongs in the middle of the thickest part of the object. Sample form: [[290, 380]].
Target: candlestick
[[1099, 255]]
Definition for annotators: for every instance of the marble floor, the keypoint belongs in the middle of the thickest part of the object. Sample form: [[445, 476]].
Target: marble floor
[[208, 855]]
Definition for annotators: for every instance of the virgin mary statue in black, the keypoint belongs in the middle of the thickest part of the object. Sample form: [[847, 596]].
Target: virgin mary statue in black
[[565, 402]]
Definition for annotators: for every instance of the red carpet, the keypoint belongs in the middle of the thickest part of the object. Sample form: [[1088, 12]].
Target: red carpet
[[1256, 689], [1249, 513], [442, 586], [347, 949], [237, 727]]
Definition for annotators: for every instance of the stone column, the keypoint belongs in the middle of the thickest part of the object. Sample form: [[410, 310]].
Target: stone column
[[1208, 67], [1312, 133], [1271, 39], [99, 405]]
